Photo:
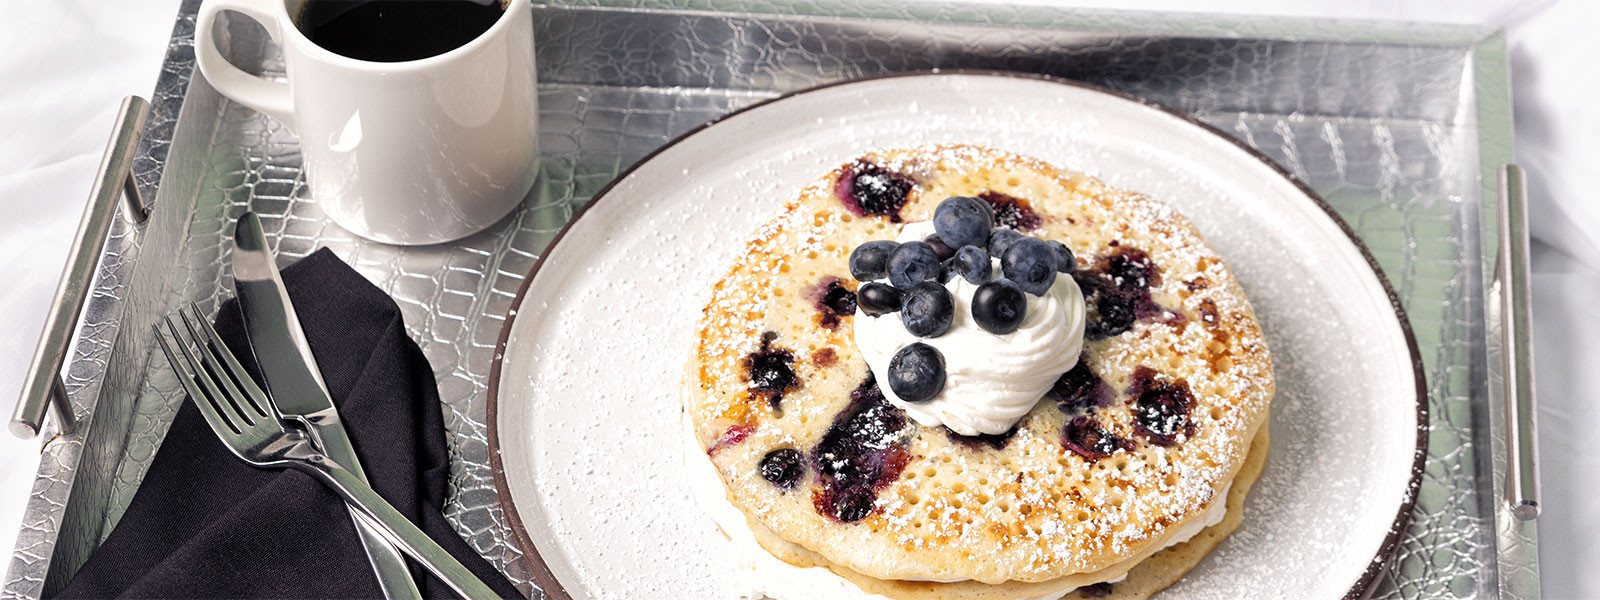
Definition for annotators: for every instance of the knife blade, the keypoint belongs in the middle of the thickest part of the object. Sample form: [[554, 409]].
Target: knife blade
[[295, 383]]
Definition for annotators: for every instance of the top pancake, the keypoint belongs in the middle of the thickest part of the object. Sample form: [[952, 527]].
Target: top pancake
[[775, 366]]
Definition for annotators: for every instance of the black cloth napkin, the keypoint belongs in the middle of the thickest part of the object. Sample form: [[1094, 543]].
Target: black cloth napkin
[[206, 525]]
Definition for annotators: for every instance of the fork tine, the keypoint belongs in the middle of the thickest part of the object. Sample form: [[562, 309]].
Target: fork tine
[[219, 377], [253, 393], [207, 373], [185, 368]]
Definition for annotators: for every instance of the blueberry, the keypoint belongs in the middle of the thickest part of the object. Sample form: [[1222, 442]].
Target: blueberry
[[1080, 389], [782, 467], [999, 306], [770, 371], [1065, 262], [860, 453], [1031, 264], [874, 190], [853, 505], [916, 373], [1011, 211], [877, 299], [947, 270], [942, 250], [963, 221], [1118, 286], [1002, 239], [1160, 406], [927, 310], [1084, 437], [834, 301], [870, 261], [912, 263], [972, 264]]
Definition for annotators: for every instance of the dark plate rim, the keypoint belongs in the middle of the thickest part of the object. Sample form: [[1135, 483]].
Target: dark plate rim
[[1363, 587]]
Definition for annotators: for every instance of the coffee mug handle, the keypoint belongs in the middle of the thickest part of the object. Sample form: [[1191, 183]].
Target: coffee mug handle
[[270, 97]]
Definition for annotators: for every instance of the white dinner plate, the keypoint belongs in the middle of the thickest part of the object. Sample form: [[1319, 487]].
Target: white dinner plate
[[583, 398]]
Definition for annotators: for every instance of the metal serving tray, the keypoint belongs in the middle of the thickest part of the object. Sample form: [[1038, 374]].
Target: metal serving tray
[[1401, 128]]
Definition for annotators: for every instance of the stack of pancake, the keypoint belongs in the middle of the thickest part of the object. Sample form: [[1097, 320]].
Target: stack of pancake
[[1127, 473]]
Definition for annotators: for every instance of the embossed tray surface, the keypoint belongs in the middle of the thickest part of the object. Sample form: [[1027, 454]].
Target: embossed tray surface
[[1400, 128]]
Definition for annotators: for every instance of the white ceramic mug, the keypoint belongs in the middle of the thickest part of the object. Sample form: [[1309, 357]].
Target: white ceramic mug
[[414, 152]]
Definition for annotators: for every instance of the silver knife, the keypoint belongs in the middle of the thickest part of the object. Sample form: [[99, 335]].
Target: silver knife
[[296, 385]]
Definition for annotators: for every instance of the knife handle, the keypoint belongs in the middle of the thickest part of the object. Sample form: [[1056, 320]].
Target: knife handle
[[43, 389], [396, 528], [394, 577]]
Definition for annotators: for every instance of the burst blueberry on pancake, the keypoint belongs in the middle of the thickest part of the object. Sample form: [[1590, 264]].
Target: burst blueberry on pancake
[[1025, 382]]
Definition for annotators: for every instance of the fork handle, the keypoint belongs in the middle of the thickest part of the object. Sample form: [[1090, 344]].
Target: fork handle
[[396, 528]]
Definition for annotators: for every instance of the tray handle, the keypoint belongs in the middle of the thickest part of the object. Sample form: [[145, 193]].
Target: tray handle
[[1511, 277], [43, 389]]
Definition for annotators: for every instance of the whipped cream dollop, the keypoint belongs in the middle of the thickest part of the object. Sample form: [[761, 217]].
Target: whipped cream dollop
[[991, 380]]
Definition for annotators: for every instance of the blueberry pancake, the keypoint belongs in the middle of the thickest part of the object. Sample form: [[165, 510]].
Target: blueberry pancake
[[951, 371]]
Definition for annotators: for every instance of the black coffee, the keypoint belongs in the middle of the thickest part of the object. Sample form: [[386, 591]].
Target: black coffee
[[396, 30]]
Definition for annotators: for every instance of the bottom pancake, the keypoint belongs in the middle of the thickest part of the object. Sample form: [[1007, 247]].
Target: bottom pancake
[[1146, 575], [1168, 565]]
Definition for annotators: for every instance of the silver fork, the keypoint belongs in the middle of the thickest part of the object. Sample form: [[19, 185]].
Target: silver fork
[[244, 418]]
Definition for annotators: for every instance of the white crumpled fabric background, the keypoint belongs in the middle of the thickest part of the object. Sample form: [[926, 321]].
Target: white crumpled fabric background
[[65, 64]]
